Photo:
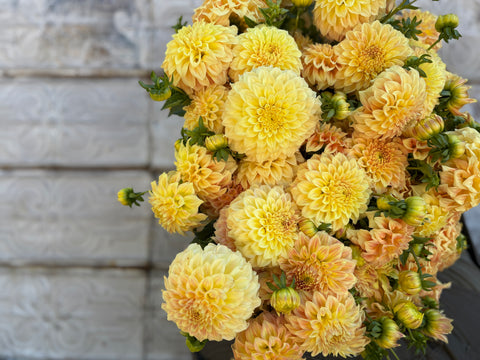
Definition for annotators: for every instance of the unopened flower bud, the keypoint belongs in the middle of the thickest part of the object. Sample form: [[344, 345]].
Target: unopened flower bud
[[341, 106], [357, 255], [457, 147], [123, 196], [426, 128], [342, 233], [216, 142], [390, 334], [383, 202], [302, 3], [193, 344], [408, 314], [458, 91], [161, 95], [410, 282], [446, 21], [285, 300], [178, 144], [307, 227], [416, 211], [437, 325]]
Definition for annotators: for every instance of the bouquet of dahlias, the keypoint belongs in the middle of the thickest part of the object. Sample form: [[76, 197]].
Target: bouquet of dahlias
[[323, 167]]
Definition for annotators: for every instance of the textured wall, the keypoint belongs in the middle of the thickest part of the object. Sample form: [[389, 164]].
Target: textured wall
[[80, 275]]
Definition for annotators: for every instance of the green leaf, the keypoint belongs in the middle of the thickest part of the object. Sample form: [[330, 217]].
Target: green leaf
[[250, 23], [204, 236]]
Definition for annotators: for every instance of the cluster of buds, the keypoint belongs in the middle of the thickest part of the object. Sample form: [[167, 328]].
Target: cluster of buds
[[412, 210]]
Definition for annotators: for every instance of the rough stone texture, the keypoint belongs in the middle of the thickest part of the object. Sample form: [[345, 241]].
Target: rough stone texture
[[75, 128]]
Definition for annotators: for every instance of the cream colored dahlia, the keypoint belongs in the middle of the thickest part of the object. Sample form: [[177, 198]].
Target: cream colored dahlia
[[394, 101], [266, 338], [210, 293], [366, 51], [265, 46], [270, 172], [460, 184], [435, 80], [385, 242], [220, 12], [428, 33], [436, 216], [175, 204], [329, 139], [207, 103], [210, 178], [199, 56], [334, 18], [445, 252], [383, 161], [329, 325], [263, 223], [269, 113], [331, 189], [321, 263], [319, 66]]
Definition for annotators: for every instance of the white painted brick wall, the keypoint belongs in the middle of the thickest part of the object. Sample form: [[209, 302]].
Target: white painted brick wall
[[76, 127]]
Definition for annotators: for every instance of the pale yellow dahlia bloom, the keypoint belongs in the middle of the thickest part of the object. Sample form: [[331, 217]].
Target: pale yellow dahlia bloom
[[269, 113], [334, 18], [199, 56], [460, 183], [221, 11], [207, 103], [394, 101], [428, 33], [266, 338], [445, 251], [270, 172], [366, 51], [175, 204], [385, 242], [263, 223], [210, 293], [264, 46], [435, 80], [331, 189], [329, 139], [372, 280], [383, 161], [319, 66], [329, 325], [436, 216], [321, 263], [210, 178]]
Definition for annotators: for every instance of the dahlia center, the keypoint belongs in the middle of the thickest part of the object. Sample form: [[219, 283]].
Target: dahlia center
[[270, 116], [269, 55], [278, 225], [372, 59]]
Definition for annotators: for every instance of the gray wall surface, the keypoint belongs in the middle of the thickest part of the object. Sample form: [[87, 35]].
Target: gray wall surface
[[80, 275]]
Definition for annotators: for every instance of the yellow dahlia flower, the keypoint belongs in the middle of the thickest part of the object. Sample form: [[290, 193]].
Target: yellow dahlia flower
[[207, 103], [329, 325], [221, 230], [175, 204], [199, 55], [221, 11], [366, 51], [334, 18], [384, 161], [321, 263], [319, 65], [436, 216], [435, 80], [331, 189], [263, 223], [391, 104], [328, 138], [266, 338], [264, 46], [269, 113], [445, 251], [210, 293], [270, 172], [210, 178], [428, 33], [303, 41]]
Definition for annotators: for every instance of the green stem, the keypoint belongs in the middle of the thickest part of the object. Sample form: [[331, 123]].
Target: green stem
[[299, 11], [396, 10], [394, 354], [435, 43], [418, 262]]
